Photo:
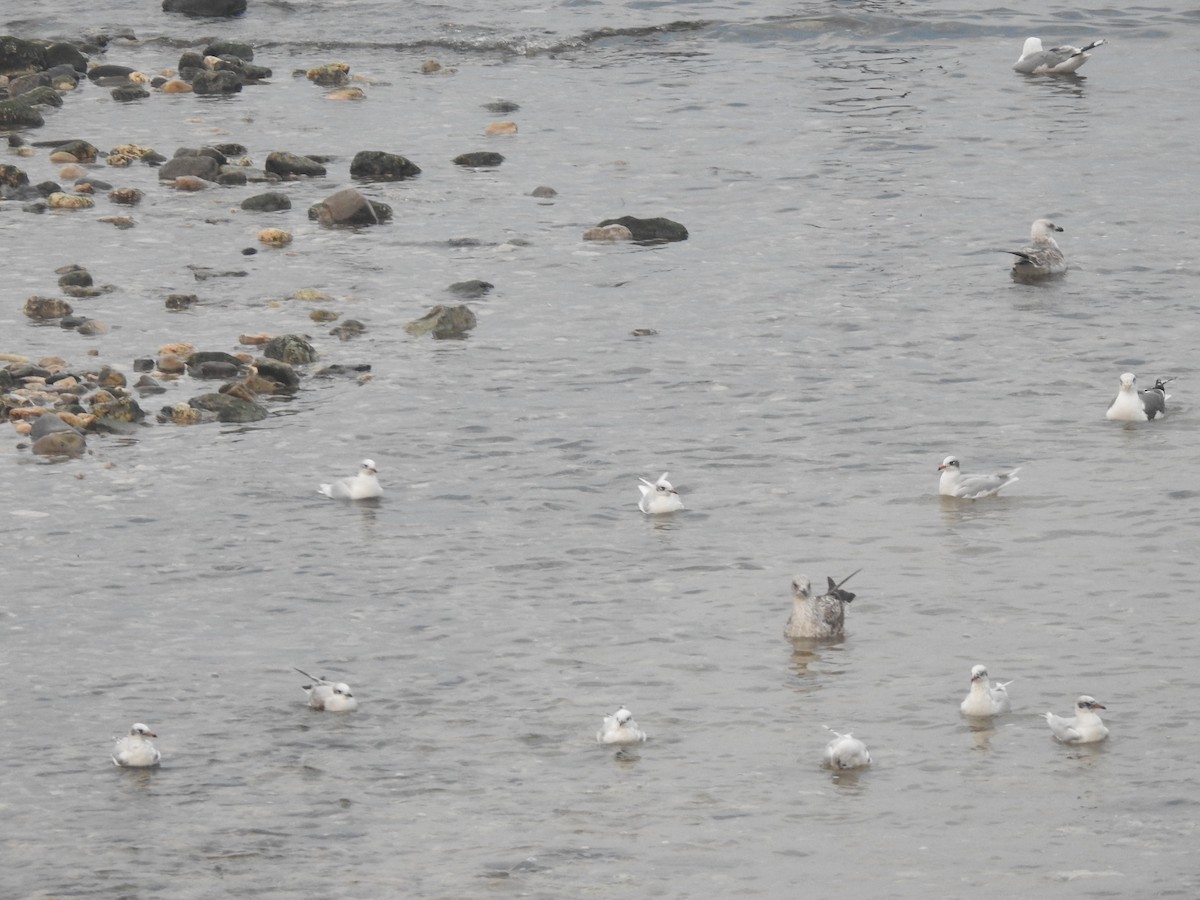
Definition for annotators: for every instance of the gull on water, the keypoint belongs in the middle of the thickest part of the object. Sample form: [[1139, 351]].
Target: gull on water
[[985, 698], [846, 751], [658, 496], [620, 730], [1056, 61], [1085, 727], [328, 695], [363, 486], [818, 617], [136, 750], [1133, 405], [1042, 258], [954, 483]]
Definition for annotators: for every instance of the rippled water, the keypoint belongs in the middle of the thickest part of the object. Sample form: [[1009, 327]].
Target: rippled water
[[838, 321]]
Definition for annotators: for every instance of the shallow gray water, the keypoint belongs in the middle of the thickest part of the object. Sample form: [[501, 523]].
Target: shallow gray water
[[837, 323]]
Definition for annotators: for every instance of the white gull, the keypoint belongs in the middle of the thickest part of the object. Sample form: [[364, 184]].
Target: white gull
[[818, 617], [330, 696], [136, 750], [363, 486], [1056, 61], [620, 729], [955, 483], [1042, 258], [846, 751], [1085, 727], [658, 496], [985, 698], [1133, 405]]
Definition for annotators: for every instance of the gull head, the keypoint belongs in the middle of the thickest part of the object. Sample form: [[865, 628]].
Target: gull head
[[979, 673], [343, 689], [801, 586], [141, 730], [623, 716], [950, 462], [1086, 702], [663, 486], [368, 467], [1128, 381], [1042, 229]]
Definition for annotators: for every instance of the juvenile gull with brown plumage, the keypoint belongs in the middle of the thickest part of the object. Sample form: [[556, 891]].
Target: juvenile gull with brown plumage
[[1042, 258], [818, 617]]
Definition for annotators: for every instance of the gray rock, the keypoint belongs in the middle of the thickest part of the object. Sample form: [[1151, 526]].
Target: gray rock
[[657, 229], [229, 408], [443, 322], [18, 55], [479, 159], [47, 308], [272, 201], [279, 373], [350, 207], [292, 165], [199, 166], [381, 166], [470, 290], [221, 81], [49, 423], [129, 92], [60, 443], [292, 349], [205, 8], [230, 48]]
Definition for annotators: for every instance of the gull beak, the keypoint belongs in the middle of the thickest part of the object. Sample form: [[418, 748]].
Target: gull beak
[[940, 468]]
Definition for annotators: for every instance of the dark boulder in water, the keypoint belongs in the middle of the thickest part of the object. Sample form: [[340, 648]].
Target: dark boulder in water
[[219, 82], [479, 159], [443, 322], [205, 8], [292, 165], [19, 56], [350, 207], [657, 229], [272, 201], [292, 349], [196, 166], [382, 166], [229, 408]]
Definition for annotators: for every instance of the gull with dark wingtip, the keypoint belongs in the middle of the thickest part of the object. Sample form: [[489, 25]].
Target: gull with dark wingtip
[[818, 617], [1085, 727], [1062, 60], [955, 483], [1042, 258], [1132, 405]]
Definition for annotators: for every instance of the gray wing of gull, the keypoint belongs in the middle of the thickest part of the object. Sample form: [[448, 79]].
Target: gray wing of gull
[[1048, 58], [1154, 403], [982, 485]]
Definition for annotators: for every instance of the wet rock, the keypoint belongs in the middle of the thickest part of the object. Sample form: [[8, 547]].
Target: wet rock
[[350, 207], [19, 114], [470, 290], [61, 54], [143, 364], [146, 386], [495, 128], [543, 192], [91, 184], [75, 275], [292, 165], [175, 86], [90, 327], [231, 149], [281, 375], [180, 301], [47, 308], [239, 49], [129, 92], [81, 150], [239, 389], [231, 175], [381, 166], [107, 71], [118, 221], [219, 82], [11, 176], [292, 349], [229, 409], [272, 201], [329, 75], [657, 229], [60, 443], [274, 237], [479, 159], [340, 371], [116, 409], [502, 107], [59, 200], [443, 322], [19, 55], [347, 93], [185, 414], [190, 183], [49, 423], [351, 328], [109, 378], [323, 315], [170, 364], [608, 233], [197, 166], [205, 8], [215, 369]]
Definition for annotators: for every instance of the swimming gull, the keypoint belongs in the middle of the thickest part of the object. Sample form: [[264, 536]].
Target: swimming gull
[[954, 483], [620, 730], [136, 750], [846, 751], [1057, 61], [658, 496], [363, 486], [1042, 258], [985, 698], [1133, 405], [1085, 727], [328, 695], [818, 617]]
